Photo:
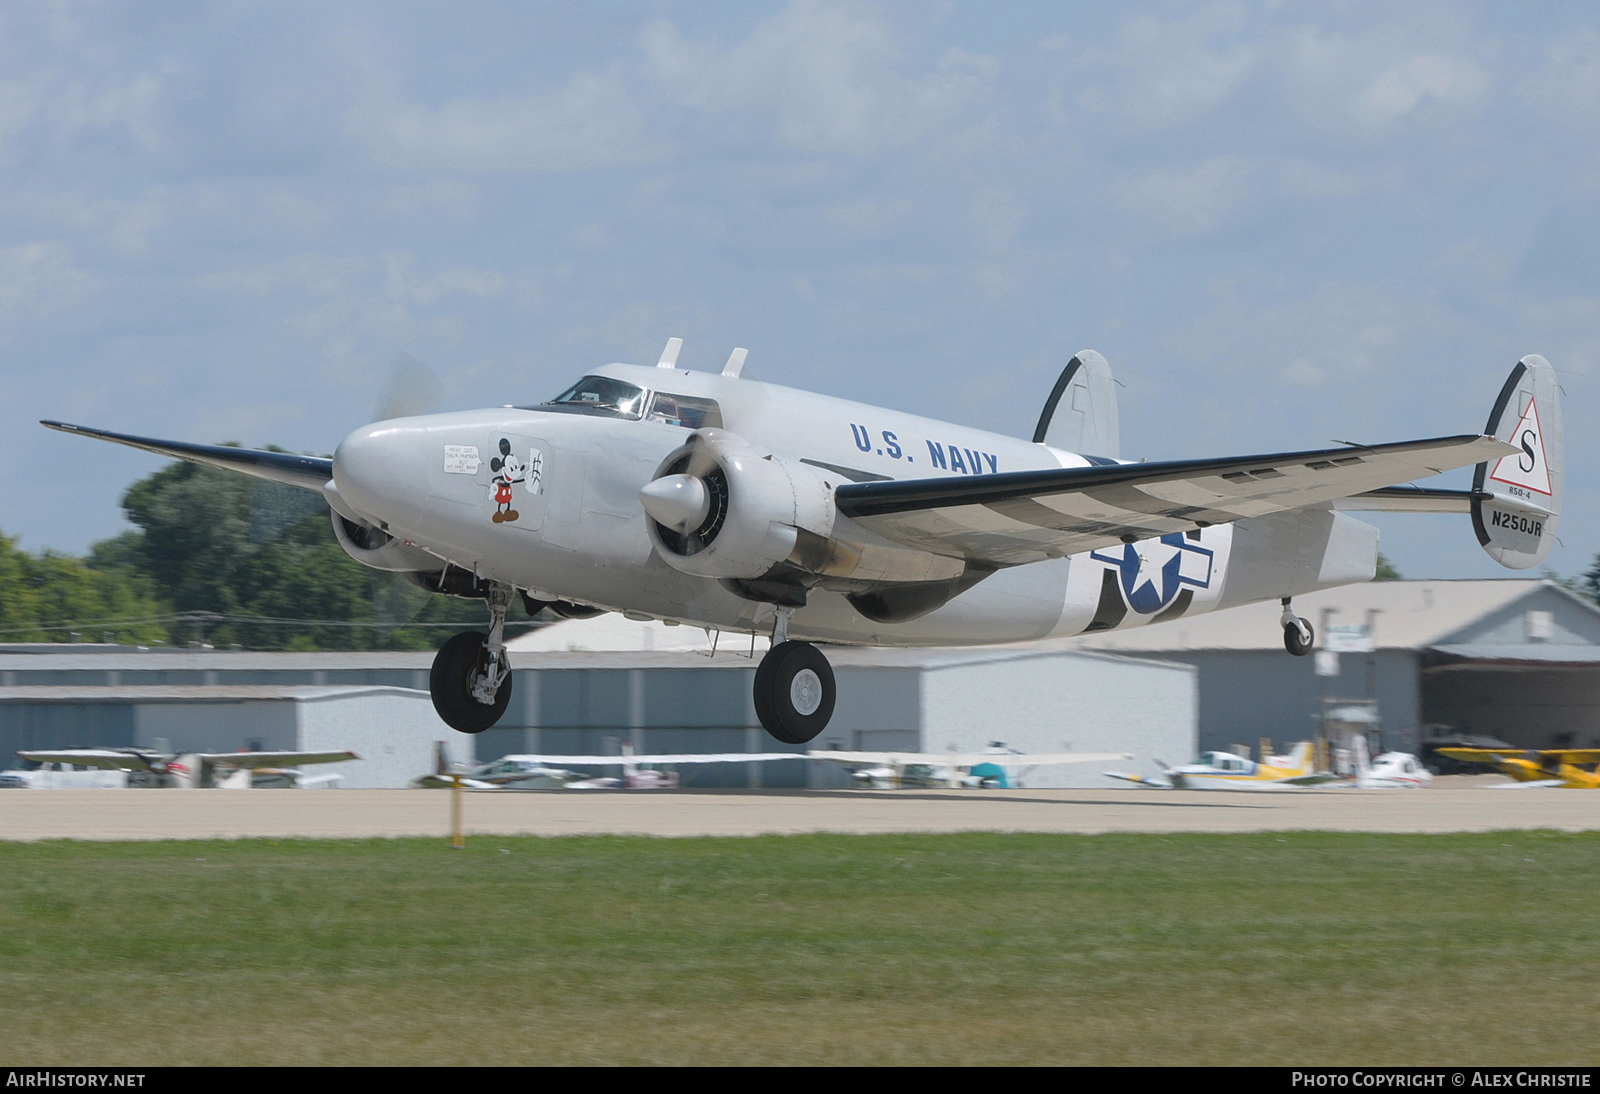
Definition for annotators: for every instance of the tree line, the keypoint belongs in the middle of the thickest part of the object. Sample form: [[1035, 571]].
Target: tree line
[[229, 561]]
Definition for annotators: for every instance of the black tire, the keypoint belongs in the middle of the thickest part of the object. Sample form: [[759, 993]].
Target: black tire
[[1291, 638], [781, 680], [450, 684]]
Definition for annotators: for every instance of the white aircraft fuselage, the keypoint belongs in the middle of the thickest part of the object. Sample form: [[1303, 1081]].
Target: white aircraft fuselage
[[582, 535]]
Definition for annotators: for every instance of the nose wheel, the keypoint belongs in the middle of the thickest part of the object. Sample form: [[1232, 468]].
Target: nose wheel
[[471, 679], [794, 692]]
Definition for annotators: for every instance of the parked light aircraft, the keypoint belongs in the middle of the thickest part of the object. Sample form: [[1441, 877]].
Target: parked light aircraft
[[195, 769], [639, 771], [1390, 771], [1569, 768], [988, 770], [1225, 771], [707, 498]]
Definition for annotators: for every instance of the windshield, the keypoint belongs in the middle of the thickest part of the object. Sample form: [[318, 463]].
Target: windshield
[[685, 410], [602, 395]]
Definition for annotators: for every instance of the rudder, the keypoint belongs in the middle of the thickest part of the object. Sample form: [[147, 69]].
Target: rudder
[[1516, 500]]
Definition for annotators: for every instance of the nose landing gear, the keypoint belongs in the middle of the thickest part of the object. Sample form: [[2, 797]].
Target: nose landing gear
[[471, 678], [1298, 636], [794, 690]]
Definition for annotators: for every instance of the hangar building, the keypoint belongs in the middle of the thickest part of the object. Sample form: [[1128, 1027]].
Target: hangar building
[[571, 698], [1517, 660]]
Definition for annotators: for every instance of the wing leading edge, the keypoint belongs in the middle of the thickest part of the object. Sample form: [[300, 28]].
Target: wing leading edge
[[306, 472], [1023, 516]]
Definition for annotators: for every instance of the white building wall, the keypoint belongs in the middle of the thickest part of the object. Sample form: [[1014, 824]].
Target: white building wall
[[393, 730], [1065, 702], [264, 724]]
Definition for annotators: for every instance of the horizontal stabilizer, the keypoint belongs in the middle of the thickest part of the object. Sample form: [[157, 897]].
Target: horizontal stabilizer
[[306, 472], [1408, 499]]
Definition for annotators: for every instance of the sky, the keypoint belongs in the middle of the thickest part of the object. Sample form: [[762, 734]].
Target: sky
[[1282, 223]]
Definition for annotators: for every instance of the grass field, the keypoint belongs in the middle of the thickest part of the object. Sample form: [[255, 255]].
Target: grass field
[[978, 949]]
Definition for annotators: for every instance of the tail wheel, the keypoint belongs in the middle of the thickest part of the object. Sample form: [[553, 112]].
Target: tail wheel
[[1297, 643], [794, 692], [459, 664]]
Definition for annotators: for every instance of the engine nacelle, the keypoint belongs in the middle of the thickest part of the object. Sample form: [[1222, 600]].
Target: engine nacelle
[[719, 508], [376, 548]]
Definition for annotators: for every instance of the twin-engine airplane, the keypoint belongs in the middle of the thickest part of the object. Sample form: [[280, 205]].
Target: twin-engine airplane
[[706, 498]]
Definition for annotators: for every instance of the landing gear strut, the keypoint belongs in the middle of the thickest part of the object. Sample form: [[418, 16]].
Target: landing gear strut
[[471, 678], [1298, 636], [794, 690]]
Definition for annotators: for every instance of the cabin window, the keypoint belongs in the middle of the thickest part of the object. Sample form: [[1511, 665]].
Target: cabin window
[[685, 410], [604, 396]]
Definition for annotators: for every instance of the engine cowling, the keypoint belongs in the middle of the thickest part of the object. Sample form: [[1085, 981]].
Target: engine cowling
[[374, 547], [720, 508]]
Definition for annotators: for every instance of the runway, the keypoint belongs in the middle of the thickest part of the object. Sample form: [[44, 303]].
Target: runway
[[357, 814]]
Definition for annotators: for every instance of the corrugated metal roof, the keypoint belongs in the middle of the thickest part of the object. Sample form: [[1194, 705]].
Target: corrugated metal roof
[[1530, 653], [1415, 615], [222, 693], [220, 660]]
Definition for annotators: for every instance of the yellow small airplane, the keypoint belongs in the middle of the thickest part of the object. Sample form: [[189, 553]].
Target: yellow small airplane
[[1569, 768]]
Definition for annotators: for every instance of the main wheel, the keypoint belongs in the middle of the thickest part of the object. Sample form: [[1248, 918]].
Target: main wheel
[[794, 692], [460, 663], [1292, 640]]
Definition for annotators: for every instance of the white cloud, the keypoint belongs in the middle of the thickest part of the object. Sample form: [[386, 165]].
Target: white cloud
[[36, 279], [1421, 78], [816, 77], [1367, 84], [1188, 200], [1161, 73], [591, 123], [1566, 86]]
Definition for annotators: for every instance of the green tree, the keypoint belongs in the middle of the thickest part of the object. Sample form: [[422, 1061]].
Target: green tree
[[219, 542], [1386, 570], [1589, 584], [48, 596]]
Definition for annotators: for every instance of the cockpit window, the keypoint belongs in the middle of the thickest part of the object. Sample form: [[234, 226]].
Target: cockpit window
[[602, 395], [685, 410]]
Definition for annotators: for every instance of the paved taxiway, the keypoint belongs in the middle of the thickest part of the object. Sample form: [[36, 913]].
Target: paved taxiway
[[205, 814]]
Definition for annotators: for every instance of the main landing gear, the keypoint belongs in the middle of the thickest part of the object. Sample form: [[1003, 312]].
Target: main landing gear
[[471, 678], [1297, 633], [794, 690]]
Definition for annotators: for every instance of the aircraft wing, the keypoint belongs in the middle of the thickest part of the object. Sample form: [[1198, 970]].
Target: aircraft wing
[[1024, 516], [307, 472], [276, 759], [968, 759], [663, 758], [1316, 778], [1483, 755], [1573, 755], [1139, 780], [109, 758]]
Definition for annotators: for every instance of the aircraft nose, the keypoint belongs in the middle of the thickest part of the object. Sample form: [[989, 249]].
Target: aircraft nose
[[371, 471]]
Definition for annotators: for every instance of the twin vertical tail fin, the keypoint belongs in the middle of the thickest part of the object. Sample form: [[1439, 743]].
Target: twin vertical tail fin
[[1081, 414], [1516, 500]]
